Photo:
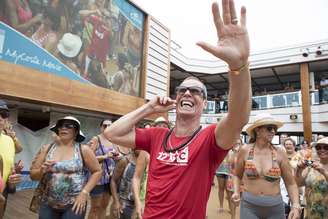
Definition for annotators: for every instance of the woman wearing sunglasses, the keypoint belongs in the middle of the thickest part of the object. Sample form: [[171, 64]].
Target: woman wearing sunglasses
[[262, 166], [60, 168], [314, 176], [105, 153]]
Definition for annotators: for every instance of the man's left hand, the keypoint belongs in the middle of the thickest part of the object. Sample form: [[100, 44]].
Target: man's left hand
[[233, 42]]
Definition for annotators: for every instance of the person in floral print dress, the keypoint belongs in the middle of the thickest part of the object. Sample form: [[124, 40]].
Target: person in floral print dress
[[315, 178]]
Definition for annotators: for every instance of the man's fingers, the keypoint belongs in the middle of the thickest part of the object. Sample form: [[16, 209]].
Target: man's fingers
[[226, 12], [234, 19], [217, 18], [243, 16]]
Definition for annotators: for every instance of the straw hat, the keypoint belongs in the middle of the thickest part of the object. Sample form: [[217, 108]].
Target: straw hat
[[160, 119], [69, 45], [260, 120], [321, 141], [80, 136]]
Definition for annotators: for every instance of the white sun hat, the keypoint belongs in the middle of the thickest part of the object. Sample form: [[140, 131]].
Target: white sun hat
[[69, 45]]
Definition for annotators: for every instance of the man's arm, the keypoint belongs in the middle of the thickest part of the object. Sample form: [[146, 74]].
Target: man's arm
[[122, 131], [141, 165], [233, 48], [118, 172]]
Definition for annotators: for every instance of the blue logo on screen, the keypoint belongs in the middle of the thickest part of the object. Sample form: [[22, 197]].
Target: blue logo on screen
[[18, 49]]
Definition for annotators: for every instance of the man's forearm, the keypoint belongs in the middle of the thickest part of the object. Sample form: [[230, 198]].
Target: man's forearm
[[121, 130], [240, 93], [136, 188]]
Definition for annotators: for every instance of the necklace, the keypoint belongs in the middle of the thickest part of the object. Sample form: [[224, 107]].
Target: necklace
[[178, 147]]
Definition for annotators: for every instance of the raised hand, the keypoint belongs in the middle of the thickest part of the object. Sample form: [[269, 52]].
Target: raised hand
[[162, 104], [233, 41]]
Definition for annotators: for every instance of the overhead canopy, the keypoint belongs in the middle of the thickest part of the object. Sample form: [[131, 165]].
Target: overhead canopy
[[273, 70]]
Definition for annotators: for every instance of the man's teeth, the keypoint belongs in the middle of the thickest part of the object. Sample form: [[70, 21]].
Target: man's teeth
[[187, 103]]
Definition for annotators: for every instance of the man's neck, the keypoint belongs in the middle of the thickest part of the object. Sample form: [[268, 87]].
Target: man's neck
[[185, 127]]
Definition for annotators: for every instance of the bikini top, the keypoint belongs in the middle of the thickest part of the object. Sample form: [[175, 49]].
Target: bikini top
[[251, 172]]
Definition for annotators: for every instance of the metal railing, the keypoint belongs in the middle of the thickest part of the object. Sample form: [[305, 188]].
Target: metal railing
[[271, 101]]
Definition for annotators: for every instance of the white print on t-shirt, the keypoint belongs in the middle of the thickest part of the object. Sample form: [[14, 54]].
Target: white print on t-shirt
[[178, 158]]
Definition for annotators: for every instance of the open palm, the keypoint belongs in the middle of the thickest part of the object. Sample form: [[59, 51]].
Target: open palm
[[233, 41]]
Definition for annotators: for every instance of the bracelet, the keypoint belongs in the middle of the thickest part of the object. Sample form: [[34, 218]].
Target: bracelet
[[237, 72], [85, 192]]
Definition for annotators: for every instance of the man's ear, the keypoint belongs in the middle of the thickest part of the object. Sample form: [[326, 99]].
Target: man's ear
[[205, 104]]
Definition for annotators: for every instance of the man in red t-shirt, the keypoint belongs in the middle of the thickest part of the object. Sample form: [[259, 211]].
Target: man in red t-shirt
[[183, 160]]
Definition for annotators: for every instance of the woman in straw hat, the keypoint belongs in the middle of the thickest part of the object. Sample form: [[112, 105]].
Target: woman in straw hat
[[60, 167], [314, 176], [261, 167]]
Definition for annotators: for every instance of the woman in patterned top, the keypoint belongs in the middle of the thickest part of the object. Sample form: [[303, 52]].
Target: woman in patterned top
[[315, 178], [60, 166]]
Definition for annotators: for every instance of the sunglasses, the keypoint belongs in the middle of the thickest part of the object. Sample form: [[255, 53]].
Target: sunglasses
[[194, 90], [269, 128], [67, 125], [4, 114], [321, 147]]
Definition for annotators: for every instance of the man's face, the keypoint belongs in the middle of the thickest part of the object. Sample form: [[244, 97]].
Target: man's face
[[190, 98], [2, 123]]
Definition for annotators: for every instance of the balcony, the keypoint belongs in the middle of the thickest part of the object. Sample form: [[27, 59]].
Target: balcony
[[272, 101]]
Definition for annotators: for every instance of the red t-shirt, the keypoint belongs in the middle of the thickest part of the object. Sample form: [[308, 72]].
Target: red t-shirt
[[179, 183]]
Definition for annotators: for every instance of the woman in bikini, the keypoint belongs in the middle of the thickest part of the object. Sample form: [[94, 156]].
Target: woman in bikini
[[261, 166]]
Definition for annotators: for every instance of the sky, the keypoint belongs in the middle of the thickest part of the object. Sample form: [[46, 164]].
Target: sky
[[271, 23]]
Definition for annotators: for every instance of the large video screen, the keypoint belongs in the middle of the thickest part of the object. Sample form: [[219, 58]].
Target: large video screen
[[100, 41]]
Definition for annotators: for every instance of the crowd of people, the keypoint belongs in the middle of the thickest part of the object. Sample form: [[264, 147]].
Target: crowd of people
[[159, 171], [91, 37]]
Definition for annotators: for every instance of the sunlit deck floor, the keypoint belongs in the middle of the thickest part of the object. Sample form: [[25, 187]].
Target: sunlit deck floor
[[17, 207]]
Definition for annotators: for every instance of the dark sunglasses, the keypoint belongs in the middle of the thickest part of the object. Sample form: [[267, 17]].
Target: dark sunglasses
[[194, 90], [321, 147], [67, 125], [4, 114], [269, 128]]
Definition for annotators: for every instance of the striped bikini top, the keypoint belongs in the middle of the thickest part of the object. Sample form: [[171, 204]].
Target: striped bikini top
[[251, 172]]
